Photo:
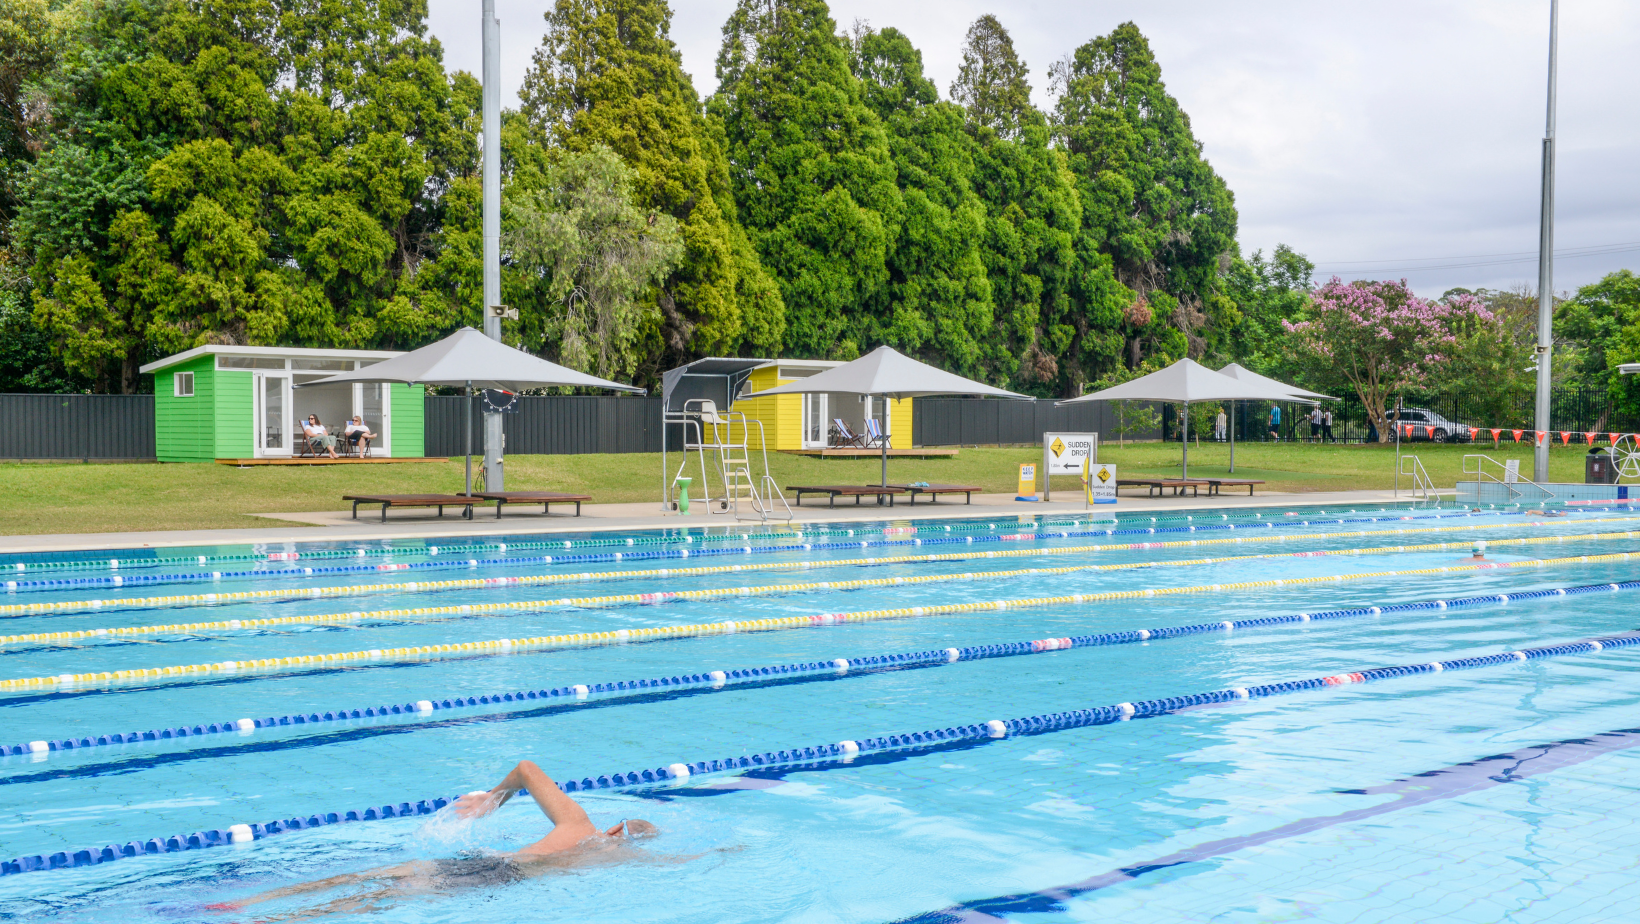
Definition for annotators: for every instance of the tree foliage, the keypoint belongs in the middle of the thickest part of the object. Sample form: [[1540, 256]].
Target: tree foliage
[[607, 74], [1266, 292], [1154, 214], [1379, 340], [260, 172], [1601, 322], [991, 83], [594, 255], [811, 172]]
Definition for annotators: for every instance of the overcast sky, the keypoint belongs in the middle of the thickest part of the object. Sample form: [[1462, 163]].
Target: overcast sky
[[1407, 134]]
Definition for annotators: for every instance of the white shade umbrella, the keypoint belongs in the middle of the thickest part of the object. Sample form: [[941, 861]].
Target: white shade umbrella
[[467, 358], [1243, 374], [1185, 382], [887, 373]]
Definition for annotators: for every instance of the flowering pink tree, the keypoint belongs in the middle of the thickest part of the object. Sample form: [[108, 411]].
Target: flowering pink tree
[[1380, 339]]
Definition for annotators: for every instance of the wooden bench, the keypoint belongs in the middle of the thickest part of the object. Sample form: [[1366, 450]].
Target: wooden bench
[[848, 490], [545, 498], [1214, 484], [415, 500], [935, 490], [1158, 485]]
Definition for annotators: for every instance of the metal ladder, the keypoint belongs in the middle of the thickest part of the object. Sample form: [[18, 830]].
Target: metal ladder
[[735, 468]]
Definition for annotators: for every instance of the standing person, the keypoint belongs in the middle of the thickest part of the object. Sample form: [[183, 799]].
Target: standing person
[[1315, 423], [1275, 422], [1326, 427], [1219, 425]]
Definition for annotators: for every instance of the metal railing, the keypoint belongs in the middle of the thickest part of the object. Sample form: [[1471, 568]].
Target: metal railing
[[1422, 485], [1476, 464]]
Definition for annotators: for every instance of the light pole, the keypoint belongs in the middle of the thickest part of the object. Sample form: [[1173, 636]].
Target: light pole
[[493, 479], [1546, 269]]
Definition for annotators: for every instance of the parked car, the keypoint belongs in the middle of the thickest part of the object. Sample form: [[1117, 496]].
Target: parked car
[[1442, 431]]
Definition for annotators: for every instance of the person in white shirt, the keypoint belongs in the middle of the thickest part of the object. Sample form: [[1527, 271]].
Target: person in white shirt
[[1315, 423], [1326, 427], [315, 433], [357, 432], [1219, 426]]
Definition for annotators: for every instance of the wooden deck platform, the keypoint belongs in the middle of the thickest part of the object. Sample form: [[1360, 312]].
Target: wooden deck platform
[[931, 453], [326, 460]]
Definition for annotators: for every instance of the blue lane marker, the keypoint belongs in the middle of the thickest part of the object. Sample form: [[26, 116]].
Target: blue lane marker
[[869, 662], [844, 750]]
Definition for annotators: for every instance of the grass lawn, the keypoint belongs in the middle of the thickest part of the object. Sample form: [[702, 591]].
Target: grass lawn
[[74, 498]]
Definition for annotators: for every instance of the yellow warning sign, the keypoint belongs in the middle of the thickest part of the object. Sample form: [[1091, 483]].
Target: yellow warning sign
[[1103, 474], [1058, 447]]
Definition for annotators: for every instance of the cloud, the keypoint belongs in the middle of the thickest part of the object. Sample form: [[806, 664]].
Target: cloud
[[1390, 131]]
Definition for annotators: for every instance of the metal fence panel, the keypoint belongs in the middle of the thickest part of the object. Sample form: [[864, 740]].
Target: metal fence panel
[[973, 422], [80, 427], [551, 425]]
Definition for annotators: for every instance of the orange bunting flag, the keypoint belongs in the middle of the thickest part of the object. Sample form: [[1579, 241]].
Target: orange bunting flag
[[1614, 437], [1517, 435], [1429, 431], [1495, 437], [1591, 437], [1409, 431], [1565, 437]]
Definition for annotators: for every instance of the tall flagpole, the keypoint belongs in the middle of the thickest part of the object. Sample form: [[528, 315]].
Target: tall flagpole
[[1546, 269], [492, 228]]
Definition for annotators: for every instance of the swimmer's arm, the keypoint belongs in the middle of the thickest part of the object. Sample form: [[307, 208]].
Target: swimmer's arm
[[563, 810]]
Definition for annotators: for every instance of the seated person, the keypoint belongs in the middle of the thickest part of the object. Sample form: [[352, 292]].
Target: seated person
[[317, 436], [356, 432]]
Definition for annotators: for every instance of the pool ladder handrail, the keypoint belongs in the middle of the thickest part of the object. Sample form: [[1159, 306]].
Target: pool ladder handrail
[[1422, 484], [736, 470], [1478, 469]]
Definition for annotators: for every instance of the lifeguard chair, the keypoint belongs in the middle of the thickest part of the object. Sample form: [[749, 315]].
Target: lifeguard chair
[[695, 422]]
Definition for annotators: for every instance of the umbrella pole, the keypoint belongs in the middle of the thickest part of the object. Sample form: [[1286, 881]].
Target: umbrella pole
[[884, 443], [1232, 437], [467, 434], [1184, 442]]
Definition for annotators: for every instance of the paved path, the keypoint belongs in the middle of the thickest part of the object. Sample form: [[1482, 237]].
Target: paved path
[[338, 525]]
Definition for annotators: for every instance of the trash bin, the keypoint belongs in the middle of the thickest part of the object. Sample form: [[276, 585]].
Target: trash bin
[[1598, 467]]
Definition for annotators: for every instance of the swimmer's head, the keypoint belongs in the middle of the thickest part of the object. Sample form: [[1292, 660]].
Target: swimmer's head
[[634, 828]]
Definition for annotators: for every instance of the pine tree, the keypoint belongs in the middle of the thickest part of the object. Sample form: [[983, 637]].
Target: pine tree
[[991, 83], [939, 295], [1152, 206], [810, 170], [607, 74]]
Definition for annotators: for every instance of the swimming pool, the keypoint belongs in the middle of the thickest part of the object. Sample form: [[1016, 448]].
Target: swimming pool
[[1147, 761]]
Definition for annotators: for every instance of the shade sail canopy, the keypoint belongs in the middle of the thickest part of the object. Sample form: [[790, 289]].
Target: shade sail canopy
[[885, 371], [714, 377], [467, 356], [1187, 381], [1243, 374]]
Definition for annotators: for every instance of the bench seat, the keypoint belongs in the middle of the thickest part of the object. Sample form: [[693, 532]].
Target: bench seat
[[848, 490], [415, 500], [935, 490], [545, 498]]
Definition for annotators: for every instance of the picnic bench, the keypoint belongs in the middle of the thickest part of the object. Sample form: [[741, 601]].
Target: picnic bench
[[415, 500], [1158, 485], [935, 490], [848, 490], [1214, 484], [545, 498]]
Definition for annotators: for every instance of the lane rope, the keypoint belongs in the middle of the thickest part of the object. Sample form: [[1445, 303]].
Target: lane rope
[[832, 667], [795, 758], [654, 633], [411, 616], [297, 593]]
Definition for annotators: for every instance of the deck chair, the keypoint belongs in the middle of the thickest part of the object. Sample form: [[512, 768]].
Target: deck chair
[[845, 436], [874, 434]]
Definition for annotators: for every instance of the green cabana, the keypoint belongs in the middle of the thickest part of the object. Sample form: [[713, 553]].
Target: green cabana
[[237, 402]]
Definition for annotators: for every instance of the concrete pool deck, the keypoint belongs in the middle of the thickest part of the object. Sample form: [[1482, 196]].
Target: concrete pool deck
[[339, 526]]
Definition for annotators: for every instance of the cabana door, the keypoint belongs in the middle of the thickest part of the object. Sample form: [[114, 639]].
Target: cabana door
[[272, 415]]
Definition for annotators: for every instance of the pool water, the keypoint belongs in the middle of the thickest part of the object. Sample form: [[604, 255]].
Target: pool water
[[1284, 805]]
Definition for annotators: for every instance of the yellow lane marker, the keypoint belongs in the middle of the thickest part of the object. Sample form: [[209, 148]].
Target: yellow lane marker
[[620, 636], [461, 611], [288, 593]]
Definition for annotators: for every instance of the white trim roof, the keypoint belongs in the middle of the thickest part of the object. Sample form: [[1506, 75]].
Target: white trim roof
[[280, 352]]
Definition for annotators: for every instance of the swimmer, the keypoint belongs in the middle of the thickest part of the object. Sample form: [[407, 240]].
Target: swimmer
[[574, 842], [1544, 513]]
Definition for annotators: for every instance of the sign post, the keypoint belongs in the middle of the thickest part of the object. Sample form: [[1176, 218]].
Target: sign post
[[1099, 481], [1065, 454]]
